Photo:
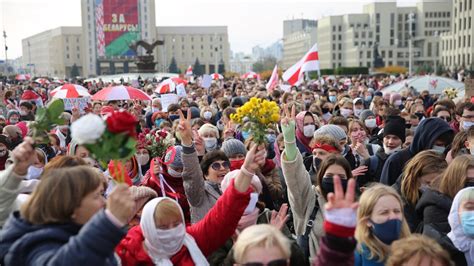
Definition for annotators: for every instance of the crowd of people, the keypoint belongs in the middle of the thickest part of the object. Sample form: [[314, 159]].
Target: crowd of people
[[349, 176]]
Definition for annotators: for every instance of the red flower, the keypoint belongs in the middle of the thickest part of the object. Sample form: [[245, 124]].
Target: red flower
[[162, 134], [122, 122]]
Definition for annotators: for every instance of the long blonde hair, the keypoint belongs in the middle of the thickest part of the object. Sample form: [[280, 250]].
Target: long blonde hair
[[424, 163], [454, 178], [363, 233]]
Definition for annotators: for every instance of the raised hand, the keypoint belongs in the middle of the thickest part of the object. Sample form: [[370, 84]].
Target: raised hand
[[361, 149], [23, 156], [229, 130], [288, 117], [120, 203], [278, 219], [199, 143], [184, 128], [359, 170], [338, 200], [254, 158]]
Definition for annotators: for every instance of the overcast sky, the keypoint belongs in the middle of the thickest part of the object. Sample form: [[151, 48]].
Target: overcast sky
[[250, 22]]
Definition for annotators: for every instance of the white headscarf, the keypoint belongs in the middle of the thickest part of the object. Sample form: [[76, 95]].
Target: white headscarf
[[162, 244], [460, 240]]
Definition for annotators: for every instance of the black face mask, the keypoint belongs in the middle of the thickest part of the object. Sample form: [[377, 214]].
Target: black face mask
[[316, 164], [327, 185], [325, 110], [420, 115]]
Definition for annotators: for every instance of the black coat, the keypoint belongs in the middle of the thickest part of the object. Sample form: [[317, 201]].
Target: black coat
[[434, 207], [375, 165], [456, 255], [426, 134]]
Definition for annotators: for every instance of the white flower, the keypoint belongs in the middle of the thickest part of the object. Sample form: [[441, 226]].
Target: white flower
[[87, 129]]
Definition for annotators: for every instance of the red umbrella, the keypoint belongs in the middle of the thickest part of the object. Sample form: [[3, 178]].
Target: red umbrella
[[217, 76], [42, 81], [70, 91], [250, 75], [120, 93], [169, 85]]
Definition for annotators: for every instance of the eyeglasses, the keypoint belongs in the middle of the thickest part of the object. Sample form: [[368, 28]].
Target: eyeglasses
[[445, 118], [217, 166], [280, 262]]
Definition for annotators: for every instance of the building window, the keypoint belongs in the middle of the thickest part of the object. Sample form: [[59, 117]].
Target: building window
[[340, 56], [340, 46], [356, 43], [377, 18], [370, 35], [429, 49], [67, 48], [392, 20], [356, 35], [383, 54], [340, 28], [333, 56], [377, 29], [340, 37], [390, 54], [67, 56], [334, 37], [333, 28], [334, 46], [77, 56]]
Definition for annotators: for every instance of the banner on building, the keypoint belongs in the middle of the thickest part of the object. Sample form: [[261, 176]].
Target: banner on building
[[117, 26]]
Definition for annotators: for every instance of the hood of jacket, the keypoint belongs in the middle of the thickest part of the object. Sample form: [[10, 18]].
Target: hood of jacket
[[427, 132]]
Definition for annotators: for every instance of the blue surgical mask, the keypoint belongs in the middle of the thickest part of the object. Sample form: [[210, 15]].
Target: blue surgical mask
[[387, 232], [438, 149], [332, 98], [245, 135], [158, 122], [467, 124], [368, 98], [271, 138], [467, 222]]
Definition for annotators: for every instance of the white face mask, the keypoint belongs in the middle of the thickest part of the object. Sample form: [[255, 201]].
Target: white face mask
[[252, 203], [371, 123], [142, 159], [220, 125], [357, 112], [398, 103], [23, 113], [467, 124], [174, 173], [167, 241], [154, 109], [308, 130], [346, 112], [389, 151], [210, 143], [34, 172], [207, 115], [3, 152], [327, 116]]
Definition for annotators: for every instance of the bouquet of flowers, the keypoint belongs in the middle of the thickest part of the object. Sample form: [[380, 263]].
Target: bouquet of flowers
[[111, 139], [157, 142], [451, 93], [256, 116]]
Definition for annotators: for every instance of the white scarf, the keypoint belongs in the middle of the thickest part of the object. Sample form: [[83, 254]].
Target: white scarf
[[460, 240], [162, 244]]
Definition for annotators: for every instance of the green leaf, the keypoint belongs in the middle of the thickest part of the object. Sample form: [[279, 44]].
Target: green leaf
[[40, 114], [56, 108]]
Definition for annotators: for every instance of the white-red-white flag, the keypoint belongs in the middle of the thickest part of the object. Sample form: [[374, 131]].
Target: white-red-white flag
[[273, 81], [310, 62], [189, 71]]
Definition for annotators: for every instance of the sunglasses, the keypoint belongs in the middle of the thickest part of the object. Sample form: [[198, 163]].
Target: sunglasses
[[280, 262], [217, 166]]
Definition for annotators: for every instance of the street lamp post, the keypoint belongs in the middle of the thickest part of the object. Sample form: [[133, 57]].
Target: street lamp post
[[6, 51], [411, 20], [216, 70], [436, 34]]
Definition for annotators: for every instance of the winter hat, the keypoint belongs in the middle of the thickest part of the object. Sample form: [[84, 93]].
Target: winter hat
[[195, 113], [236, 102], [378, 93], [395, 125], [366, 113], [232, 147], [334, 131], [23, 127], [208, 127], [357, 101], [141, 195], [12, 112], [173, 157], [255, 182]]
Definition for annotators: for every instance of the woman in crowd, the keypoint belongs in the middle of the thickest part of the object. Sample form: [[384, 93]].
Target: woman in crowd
[[380, 221], [461, 236], [166, 178], [417, 177], [360, 147], [305, 127], [306, 200], [435, 204], [162, 238], [210, 136], [418, 250], [64, 221], [262, 245]]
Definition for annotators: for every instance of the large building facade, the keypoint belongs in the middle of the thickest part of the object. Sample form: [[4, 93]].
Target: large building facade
[[299, 35], [351, 40], [54, 52], [457, 46]]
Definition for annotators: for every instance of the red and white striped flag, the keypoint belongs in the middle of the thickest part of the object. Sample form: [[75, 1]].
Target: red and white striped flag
[[273, 81], [189, 71], [310, 62]]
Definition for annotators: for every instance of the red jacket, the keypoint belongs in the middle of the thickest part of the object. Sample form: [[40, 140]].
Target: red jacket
[[176, 183], [210, 233]]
